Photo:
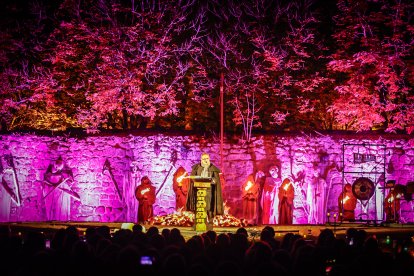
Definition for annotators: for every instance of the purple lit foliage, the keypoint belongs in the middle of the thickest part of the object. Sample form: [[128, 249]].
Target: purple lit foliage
[[286, 65]]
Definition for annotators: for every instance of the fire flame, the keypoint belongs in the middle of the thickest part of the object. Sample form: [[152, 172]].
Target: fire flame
[[345, 199], [146, 190], [248, 185], [181, 177]]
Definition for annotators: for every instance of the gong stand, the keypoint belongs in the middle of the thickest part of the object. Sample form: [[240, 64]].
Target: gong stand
[[364, 168]]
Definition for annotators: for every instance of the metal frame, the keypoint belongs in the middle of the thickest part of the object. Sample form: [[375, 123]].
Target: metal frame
[[371, 161]]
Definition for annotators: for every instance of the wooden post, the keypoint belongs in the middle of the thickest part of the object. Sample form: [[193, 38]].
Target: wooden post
[[221, 120]]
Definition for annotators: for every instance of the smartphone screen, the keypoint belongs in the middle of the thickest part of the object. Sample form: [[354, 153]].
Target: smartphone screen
[[146, 260], [47, 243], [329, 264]]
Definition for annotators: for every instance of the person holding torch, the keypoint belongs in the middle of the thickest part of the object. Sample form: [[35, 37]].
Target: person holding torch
[[145, 193], [347, 204], [286, 195]]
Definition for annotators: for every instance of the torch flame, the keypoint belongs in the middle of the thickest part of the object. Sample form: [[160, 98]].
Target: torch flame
[[345, 199], [248, 186], [146, 190], [286, 186], [181, 177]]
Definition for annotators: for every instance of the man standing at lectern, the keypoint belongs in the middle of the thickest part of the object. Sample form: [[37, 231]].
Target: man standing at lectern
[[214, 199]]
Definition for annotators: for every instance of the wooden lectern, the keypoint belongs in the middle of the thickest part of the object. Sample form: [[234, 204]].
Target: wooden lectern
[[201, 184]]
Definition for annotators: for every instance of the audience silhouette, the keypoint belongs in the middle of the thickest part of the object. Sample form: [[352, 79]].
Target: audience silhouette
[[151, 252]]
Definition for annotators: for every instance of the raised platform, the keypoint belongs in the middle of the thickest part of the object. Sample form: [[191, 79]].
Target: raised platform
[[395, 230]]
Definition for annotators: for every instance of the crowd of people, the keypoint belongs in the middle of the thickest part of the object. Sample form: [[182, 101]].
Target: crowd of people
[[152, 251]]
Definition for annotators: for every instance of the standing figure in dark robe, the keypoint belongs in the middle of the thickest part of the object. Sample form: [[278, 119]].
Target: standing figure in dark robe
[[214, 198], [347, 203], [250, 193], [145, 193], [286, 195], [180, 187], [260, 180], [392, 206]]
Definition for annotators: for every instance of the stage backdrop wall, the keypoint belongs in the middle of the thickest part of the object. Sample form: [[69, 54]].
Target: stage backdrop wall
[[100, 173]]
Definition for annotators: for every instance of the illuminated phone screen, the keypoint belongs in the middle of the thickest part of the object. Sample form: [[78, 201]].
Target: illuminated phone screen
[[146, 260]]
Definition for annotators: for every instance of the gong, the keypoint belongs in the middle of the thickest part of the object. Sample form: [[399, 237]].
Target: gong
[[363, 188]]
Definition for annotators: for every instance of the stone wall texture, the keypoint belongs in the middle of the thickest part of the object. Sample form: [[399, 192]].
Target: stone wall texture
[[100, 164]]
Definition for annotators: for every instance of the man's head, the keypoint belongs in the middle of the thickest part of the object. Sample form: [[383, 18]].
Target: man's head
[[205, 160]]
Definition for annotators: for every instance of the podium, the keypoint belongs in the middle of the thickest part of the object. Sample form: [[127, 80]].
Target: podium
[[201, 184]]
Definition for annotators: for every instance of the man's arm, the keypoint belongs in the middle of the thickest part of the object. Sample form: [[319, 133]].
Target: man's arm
[[194, 169]]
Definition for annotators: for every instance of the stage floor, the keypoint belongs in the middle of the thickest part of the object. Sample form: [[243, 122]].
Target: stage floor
[[394, 230]]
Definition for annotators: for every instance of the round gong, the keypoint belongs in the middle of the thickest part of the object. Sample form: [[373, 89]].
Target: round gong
[[363, 188]]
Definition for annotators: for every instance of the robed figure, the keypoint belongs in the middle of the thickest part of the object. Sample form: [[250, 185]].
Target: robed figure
[[9, 187], [57, 191], [145, 193], [250, 193], [315, 198], [347, 203], [180, 187], [214, 198], [286, 195], [392, 206]]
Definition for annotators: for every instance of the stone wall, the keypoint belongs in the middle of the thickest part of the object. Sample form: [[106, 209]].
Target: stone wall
[[99, 164]]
